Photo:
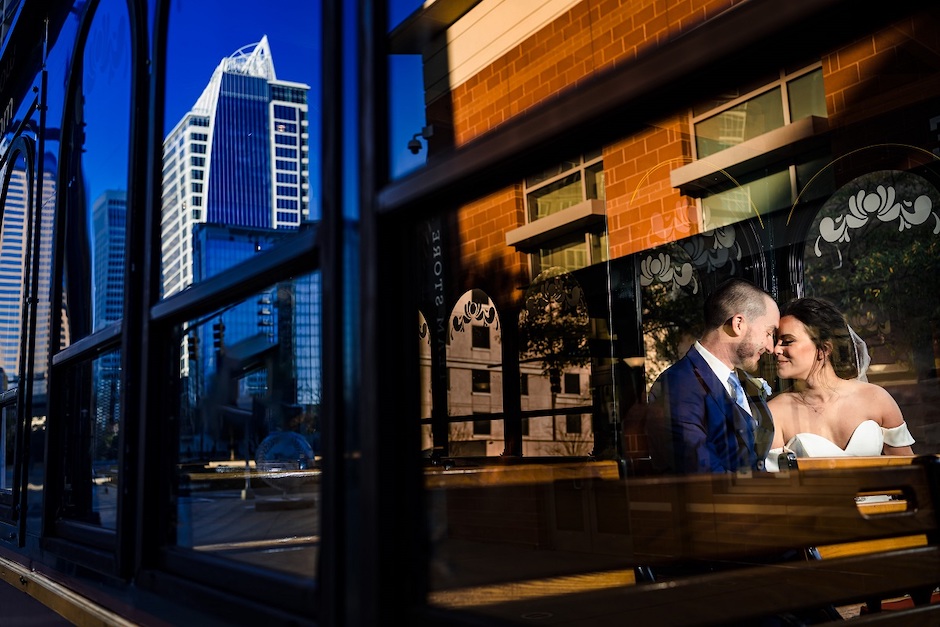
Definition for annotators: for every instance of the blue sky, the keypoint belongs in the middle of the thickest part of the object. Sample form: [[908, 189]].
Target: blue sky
[[203, 32], [196, 49]]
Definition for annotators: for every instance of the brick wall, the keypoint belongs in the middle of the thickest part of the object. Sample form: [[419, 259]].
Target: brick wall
[[485, 258], [643, 209], [594, 35]]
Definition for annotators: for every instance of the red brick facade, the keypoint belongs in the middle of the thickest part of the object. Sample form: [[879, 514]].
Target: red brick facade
[[643, 209]]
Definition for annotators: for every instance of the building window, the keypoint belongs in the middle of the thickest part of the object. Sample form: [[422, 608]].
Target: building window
[[572, 383], [723, 123], [525, 427], [571, 253], [481, 381], [480, 336], [572, 194], [564, 185], [482, 427], [788, 113], [573, 424], [524, 384]]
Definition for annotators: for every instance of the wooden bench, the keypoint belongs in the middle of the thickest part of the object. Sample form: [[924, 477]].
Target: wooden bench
[[742, 523]]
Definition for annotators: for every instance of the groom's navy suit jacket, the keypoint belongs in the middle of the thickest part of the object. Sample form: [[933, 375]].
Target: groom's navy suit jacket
[[694, 425]]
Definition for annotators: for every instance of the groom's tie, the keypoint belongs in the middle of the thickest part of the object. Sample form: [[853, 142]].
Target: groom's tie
[[738, 390]]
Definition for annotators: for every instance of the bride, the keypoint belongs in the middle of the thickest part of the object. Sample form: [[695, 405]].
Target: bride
[[831, 410]]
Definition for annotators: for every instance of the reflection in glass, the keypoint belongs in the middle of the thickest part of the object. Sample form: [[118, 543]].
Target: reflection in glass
[[565, 185], [92, 429], [882, 225], [105, 107], [571, 253], [239, 156], [13, 262], [408, 146], [740, 123], [554, 331], [424, 357], [249, 439], [747, 200], [807, 96], [672, 302], [475, 376]]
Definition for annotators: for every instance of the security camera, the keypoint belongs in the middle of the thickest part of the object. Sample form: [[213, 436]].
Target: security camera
[[414, 145]]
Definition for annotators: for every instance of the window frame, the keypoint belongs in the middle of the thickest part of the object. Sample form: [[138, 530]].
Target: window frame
[[781, 82]]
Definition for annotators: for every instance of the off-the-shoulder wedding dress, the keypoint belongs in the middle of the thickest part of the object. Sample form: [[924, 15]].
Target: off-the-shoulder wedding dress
[[868, 439]]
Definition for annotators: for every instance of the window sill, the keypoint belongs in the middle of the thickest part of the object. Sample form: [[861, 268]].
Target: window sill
[[585, 214], [696, 178]]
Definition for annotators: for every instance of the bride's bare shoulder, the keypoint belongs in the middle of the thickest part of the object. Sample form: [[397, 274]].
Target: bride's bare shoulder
[[783, 409], [875, 401], [782, 399], [864, 390]]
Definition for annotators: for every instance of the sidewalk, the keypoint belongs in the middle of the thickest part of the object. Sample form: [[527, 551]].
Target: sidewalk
[[18, 609]]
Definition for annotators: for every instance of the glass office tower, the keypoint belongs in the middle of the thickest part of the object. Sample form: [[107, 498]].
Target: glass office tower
[[239, 158], [235, 180]]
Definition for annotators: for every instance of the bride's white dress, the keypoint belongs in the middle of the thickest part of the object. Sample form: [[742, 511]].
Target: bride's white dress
[[868, 439]]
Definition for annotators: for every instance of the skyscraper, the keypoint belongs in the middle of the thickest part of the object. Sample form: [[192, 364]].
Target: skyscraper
[[239, 157], [14, 264], [109, 217], [12, 271], [235, 182]]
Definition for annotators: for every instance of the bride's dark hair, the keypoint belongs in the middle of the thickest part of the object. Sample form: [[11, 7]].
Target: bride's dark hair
[[829, 331]]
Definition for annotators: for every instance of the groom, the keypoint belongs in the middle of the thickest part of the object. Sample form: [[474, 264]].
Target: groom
[[693, 421]]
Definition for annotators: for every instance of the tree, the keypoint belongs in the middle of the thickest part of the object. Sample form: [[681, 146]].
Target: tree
[[554, 325]]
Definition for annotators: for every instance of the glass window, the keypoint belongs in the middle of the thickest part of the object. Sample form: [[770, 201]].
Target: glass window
[[92, 427], [597, 314], [481, 336], [571, 252], [481, 381], [724, 123], [572, 383], [249, 443], [573, 425], [748, 200], [97, 210], [739, 123], [564, 186], [807, 96]]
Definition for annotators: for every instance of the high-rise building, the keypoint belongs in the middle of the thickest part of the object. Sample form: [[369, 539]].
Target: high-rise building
[[239, 157], [13, 253], [14, 262], [109, 216], [235, 181]]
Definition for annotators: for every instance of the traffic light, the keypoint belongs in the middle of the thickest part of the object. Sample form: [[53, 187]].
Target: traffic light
[[218, 335], [192, 346]]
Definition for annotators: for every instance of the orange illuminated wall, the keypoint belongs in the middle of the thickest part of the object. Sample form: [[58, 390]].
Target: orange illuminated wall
[[484, 255], [643, 209]]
